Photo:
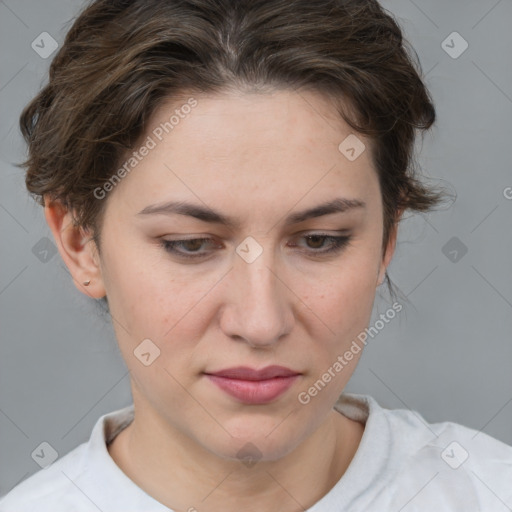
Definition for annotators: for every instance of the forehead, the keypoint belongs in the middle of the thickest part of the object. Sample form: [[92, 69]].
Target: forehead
[[282, 119], [278, 146]]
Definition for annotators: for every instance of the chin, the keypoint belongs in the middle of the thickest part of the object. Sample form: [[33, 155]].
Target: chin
[[251, 444]]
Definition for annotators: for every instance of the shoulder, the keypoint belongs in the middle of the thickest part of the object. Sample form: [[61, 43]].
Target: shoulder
[[76, 481], [49, 489], [444, 464], [466, 468]]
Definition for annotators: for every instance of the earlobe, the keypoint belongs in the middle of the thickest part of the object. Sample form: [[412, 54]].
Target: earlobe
[[390, 250], [76, 248]]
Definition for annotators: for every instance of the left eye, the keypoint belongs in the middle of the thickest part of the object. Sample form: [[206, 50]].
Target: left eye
[[336, 242], [192, 246]]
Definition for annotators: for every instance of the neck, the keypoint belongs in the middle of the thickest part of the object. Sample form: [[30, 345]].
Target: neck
[[182, 475]]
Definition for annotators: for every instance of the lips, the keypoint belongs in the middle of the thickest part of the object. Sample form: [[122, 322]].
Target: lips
[[254, 387], [246, 373]]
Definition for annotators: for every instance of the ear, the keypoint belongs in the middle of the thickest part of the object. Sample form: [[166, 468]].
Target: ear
[[76, 248], [390, 249]]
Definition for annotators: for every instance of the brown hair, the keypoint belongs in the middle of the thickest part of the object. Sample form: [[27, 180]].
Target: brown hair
[[122, 59]]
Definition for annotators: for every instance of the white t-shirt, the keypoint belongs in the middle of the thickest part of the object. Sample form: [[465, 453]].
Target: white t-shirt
[[402, 464]]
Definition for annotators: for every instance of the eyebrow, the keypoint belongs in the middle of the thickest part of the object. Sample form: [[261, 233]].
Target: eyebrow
[[206, 214]]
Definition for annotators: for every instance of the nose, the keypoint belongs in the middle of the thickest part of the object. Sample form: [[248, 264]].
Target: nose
[[259, 308]]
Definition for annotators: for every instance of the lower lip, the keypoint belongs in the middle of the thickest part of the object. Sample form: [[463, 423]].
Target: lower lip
[[254, 391]]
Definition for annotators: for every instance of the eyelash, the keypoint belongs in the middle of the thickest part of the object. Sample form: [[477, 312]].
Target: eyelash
[[338, 244]]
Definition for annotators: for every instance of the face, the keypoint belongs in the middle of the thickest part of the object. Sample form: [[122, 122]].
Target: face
[[273, 286]]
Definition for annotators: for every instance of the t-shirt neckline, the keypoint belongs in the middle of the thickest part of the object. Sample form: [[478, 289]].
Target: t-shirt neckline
[[368, 461]]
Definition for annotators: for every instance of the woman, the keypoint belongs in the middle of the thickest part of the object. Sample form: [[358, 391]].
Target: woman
[[230, 176]]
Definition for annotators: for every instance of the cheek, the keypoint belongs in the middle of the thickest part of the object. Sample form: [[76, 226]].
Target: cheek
[[344, 307], [142, 288], [345, 300], [158, 305]]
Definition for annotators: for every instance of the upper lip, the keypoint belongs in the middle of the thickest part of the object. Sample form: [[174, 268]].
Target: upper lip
[[246, 373]]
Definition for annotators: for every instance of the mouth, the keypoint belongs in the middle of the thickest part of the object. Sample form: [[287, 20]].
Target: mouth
[[254, 387]]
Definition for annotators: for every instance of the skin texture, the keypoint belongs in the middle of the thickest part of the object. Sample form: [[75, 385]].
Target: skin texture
[[257, 158]]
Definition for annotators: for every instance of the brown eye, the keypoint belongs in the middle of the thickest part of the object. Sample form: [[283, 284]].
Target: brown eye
[[189, 247], [192, 245], [316, 242]]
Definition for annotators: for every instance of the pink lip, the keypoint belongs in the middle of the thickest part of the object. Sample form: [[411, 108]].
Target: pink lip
[[254, 386]]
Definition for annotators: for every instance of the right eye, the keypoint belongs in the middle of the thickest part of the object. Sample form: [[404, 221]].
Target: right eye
[[191, 246]]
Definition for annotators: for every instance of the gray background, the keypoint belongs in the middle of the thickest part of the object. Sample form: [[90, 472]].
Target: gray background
[[446, 355]]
